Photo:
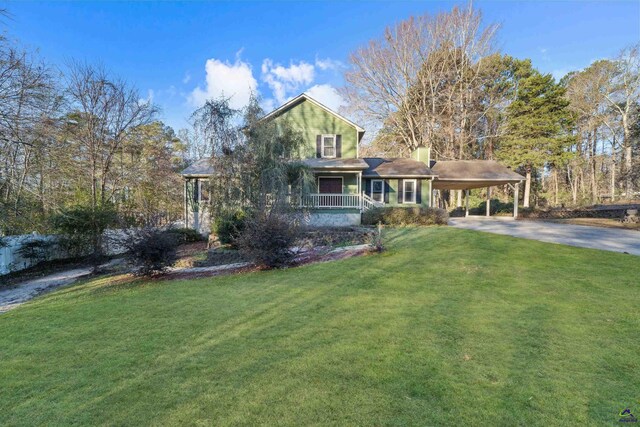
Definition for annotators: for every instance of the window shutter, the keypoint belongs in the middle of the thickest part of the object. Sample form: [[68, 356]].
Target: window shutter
[[338, 145], [400, 190], [318, 146], [386, 191], [367, 187], [419, 191]]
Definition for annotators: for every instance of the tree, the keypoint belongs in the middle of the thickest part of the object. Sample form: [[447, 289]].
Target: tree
[[420, 81], [624, 98], [538, 125]]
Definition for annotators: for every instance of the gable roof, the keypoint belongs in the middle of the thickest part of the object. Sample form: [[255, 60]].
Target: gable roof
[[396, 167], [302, 97], [199, 168]]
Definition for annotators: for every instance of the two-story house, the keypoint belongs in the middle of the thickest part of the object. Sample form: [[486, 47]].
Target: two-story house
[[346, 184]]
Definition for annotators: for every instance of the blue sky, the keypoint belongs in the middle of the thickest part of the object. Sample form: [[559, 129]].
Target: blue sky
[[179, 53]]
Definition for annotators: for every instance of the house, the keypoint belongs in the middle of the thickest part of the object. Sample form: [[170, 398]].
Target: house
[[348, 184]]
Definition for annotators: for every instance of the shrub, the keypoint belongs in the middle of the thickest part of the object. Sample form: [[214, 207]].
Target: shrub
[[186, 235], [35, 250], [267, 240], [229, 226], [82, 228], [151, 250], [405, 216]]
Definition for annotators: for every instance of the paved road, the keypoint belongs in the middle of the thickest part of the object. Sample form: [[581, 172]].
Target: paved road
[[608, 239]]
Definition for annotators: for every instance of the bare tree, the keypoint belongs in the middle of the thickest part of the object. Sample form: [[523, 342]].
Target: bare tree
[[107, 110], [624, 97], [420, 80]]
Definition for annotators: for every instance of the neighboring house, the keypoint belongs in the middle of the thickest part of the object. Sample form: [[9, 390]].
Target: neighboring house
[[346, 183]]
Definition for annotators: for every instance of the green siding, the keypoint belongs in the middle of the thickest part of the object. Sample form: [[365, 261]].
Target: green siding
[[313, 120], [425, 193]]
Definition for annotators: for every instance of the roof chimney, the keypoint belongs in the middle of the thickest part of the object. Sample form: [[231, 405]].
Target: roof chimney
[[422, 154]]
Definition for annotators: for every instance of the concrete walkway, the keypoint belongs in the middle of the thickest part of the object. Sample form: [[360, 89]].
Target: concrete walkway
[[17, 295], [607, 239]]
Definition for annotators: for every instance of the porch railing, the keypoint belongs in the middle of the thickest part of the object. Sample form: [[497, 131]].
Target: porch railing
[[368, 202], [331, 201]]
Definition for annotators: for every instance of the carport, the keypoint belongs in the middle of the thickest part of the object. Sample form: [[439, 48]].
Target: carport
[[469, 174]]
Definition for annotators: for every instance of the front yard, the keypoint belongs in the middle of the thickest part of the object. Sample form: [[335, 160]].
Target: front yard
[[446, 327]]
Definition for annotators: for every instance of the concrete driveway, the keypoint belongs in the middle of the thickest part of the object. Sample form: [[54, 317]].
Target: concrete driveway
[[607, 239]]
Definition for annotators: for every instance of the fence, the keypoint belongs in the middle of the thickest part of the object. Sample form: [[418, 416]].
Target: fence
[[11, 258]]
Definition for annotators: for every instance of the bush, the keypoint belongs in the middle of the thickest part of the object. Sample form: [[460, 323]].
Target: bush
[[405, 216], [186, 235], [267, 240], [35, 250], [229, 226], [82, 228], [152, 251]]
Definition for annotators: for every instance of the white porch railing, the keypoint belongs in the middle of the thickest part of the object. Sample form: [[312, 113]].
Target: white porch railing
[[338, 201], [369, 203], [331, 201]]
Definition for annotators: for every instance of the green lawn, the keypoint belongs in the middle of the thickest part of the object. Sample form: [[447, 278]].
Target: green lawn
[[448, 327]]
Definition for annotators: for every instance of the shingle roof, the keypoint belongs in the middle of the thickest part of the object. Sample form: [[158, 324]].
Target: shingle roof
[[396, 167], [200, 167], [467, 174], [336, 164]]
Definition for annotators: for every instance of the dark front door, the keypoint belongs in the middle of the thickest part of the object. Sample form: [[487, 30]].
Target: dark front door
[[330, 185]]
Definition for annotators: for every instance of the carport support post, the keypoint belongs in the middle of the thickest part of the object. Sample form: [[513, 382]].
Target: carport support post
[[466, 203], [516, 187], [488, 201]]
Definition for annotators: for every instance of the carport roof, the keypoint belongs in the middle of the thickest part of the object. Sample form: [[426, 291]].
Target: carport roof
[[468, 174]]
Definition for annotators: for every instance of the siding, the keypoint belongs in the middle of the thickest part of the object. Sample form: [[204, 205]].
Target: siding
[[425, 193], [312, 120]]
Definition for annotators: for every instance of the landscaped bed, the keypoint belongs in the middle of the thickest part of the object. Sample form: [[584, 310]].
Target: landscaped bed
[[447, 326]]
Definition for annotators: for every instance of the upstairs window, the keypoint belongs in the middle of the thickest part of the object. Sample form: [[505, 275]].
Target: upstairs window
[[329, 146]]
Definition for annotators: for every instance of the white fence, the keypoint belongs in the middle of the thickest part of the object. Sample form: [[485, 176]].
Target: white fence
[[12, 260]]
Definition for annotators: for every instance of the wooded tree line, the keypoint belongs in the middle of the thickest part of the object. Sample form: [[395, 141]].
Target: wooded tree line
[[439, 81], [80, 139]]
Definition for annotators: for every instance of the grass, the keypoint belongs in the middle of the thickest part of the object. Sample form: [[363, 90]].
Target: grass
[[448, 327]]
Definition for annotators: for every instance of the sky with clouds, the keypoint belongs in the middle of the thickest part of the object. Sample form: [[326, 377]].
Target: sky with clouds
[[181, 53]]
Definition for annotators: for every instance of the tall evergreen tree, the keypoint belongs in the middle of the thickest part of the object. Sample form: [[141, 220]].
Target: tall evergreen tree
[[538, 126]]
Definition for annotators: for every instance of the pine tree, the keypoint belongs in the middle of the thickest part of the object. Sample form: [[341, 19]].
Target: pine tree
[[537, 127]]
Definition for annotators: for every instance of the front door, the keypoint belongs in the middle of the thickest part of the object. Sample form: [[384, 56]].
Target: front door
[[330, 185]]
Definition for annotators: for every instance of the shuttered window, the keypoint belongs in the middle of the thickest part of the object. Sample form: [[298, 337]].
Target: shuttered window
[[409, 190], [329, 146], [377, 190]]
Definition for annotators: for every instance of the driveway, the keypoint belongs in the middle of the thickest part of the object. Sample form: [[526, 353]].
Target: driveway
[[607, 239]]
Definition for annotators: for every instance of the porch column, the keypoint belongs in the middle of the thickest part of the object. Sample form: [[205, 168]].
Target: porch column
[[488, 201], [516, 187], [186, 204], [466, 203]]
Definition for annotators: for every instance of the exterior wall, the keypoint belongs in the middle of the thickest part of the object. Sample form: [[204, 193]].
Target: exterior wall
[[312, 120], [337, 218], [425, 193], [349, 181]]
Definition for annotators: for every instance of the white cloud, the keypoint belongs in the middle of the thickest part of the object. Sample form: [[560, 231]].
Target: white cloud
[[226, 79], [187, 78], [329, 64], [284, 80], [327, 95]]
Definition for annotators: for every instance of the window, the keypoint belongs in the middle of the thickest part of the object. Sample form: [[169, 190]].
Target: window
[[409, 190], [377, 190], [328, 146], [203, 190]]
